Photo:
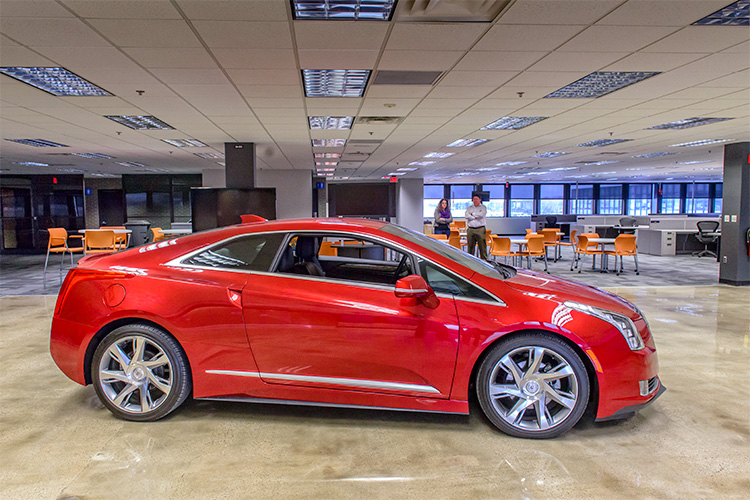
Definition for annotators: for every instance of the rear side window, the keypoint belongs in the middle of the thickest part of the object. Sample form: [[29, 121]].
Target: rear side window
[[248, 253]]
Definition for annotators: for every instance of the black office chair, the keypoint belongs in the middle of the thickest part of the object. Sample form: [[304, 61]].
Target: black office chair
[[551, 221], [307, 257], [628, 222], [705, 227]]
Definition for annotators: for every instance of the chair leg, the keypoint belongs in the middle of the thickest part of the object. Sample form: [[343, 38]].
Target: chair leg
[[580, 264], [546, 269], [635, 257], [45, 264]]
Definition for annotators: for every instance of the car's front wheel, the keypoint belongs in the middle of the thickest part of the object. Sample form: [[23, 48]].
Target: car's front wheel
[[533, 386], [140, 373]]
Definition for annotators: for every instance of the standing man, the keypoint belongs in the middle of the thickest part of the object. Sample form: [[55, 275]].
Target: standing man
[[476, 234]]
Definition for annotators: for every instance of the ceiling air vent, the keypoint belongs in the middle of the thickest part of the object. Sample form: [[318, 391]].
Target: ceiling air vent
[[361, 146], [464, 11], [379, 120], [612, 153], [391, 77]]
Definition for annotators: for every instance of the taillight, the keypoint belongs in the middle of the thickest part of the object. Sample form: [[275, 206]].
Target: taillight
[[76, 276]]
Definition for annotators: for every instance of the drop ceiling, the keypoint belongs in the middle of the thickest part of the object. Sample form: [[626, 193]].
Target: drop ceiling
[[225, 71]]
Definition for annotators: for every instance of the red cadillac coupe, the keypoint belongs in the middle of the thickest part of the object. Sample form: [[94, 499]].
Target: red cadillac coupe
[[351, 313]]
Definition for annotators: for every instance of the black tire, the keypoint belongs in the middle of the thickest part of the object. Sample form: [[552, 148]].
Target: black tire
[[158, 377], [538, 402]]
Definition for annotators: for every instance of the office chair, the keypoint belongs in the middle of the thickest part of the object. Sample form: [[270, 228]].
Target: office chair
[[628, 222], [551, 221], [705, 227]]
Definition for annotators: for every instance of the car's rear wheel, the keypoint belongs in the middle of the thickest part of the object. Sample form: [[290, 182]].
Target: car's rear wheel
[[140, 373], [533, 386]]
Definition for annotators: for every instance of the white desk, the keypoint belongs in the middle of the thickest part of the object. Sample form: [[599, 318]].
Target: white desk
[[176, 231], [663, 241]]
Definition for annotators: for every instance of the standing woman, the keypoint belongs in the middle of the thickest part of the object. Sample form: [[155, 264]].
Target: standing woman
[[443, 218]]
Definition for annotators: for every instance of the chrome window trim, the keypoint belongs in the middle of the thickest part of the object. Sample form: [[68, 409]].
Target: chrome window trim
[[348, 382], [179, 262]]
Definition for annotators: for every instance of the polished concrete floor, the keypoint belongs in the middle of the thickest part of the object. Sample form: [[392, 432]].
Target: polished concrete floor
[[58, 442]]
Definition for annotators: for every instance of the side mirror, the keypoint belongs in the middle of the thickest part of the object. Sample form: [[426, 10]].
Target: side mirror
[[415, 286]]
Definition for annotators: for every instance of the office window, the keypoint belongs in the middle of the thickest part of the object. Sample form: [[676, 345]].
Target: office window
[[496, 205], [581, 199], [670, 198], [639, 199], [610, 199], [697, 199], [521, 200], [432, 194], [718, 198], [552, 199], [460, 199]]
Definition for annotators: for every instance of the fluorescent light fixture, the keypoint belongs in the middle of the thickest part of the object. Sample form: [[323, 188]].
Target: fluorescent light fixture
[[687, 123], [130, 164], [559, 169], [603, 162], [70, 170], [510, 163], [353, 10], [694, 162], [466, 143], [736, 14], [156, 170], [704, 142], [602, 142], [330, 122], [513, 122], [406, 169], [325, 170], [653, 155], [38, 143], [396, 173], [421, 163], [550, 154], [185, 143], [600, 83], [100, 174], [98, 156], [326, 163], [487, 169], [329, 143], [32, 164], [335, 82], [438, 155], [56, 81], [208, 156], [223, 164], [327, 155], [140, 122], [340, 178]]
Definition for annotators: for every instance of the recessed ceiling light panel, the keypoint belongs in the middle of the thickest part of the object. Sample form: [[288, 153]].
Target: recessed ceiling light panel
[[513, 122], [438, 155], [327, 155], [140, 122], [335, 82], [510, 163], [56, 81], [32, 164], [694, 162], [421, 163], [604, 162], [704, 142], [97, 156], [38, 143], [209, 155], [329, 143], [466, 143], [330, 122], [736, 14], [687, 123], [407, 169], [601, 83], [130, 164], [653, 155], [602, 142], [326, 163], [352, 10], [185, 143], [549, 154]]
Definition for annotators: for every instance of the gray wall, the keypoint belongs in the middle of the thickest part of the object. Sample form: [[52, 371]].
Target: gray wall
[[91, 201], [293, 191], [409, 194], [214, 178]]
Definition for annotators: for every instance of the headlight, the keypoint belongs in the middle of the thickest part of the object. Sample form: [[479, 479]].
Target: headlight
[[622, 323]]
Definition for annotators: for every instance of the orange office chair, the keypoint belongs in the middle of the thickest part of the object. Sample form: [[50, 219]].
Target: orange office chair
[[535, 248], [550, 240], [455, 239], [489, 238], [438, 237], [571, 243], [584, 248], [326, 248], [121, 239], [529, 231], [157, 234], [501, 248], [460, 224], [100, 241], [624, 245], [58, 243]]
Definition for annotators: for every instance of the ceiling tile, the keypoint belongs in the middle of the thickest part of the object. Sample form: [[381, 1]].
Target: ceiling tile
[[423, 36], [173, 58], [477, 78], [123, 9], [652, 61], [558, 11], [411, 60], [245, 34], [486, 60], [700, 39], [50, 32], [347, 35], [33, 8], [232, 10], [270, 90], [577, 61], [255, 58], [616, 38], [146, 32], [661, 13], [398, 91], [337, 59], [460, 92], [191, 76], [527, 38], [265, 77]]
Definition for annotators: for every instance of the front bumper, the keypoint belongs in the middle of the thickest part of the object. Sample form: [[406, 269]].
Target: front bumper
[[629, 411]]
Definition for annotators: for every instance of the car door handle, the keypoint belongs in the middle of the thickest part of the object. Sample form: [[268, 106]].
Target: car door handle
[[235, 297]]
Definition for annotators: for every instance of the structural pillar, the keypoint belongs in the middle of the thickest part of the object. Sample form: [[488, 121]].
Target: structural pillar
[[735, 220], [410, 193], [239, 158]]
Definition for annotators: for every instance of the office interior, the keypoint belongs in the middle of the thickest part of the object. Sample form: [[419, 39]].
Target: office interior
[[587, 111]]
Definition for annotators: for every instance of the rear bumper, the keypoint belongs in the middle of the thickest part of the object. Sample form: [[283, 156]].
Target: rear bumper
[[629, 411]]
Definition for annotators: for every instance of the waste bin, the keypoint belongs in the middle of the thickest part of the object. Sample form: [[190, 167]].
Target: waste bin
[[140, 229]]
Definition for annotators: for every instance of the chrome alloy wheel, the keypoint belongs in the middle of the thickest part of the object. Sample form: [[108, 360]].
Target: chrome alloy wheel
[[135, 374], [533, 388]]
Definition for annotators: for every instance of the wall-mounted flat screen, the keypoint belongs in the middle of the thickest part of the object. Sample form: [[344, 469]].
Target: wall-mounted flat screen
[[218, 207], [362, 200]]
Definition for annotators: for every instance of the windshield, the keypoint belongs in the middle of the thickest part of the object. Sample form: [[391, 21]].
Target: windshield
[[477, 265]]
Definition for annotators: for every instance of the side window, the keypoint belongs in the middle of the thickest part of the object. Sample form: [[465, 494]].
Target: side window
[[442, 282], [250, 253], [344, 258]]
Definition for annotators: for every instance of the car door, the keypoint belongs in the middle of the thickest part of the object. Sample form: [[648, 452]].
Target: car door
[[349, 330]]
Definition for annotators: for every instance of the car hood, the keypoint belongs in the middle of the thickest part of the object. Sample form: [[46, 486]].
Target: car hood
[[560, 290]]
